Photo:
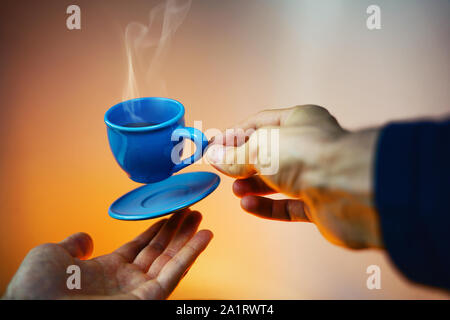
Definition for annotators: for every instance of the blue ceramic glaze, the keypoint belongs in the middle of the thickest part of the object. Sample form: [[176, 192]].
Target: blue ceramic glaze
[[145, 152], [165, 197]]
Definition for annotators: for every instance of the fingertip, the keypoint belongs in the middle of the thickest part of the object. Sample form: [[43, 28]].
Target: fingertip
[[250, 203], [195, 215], [84, 237], [206, 234], [215, 153], [79, 244], [89, 243], [239, 188]]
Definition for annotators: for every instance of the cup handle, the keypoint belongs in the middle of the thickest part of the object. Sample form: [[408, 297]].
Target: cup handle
[[200, 141]]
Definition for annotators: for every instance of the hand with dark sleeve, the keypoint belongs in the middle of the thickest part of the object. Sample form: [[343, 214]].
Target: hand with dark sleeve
[[375, 188]]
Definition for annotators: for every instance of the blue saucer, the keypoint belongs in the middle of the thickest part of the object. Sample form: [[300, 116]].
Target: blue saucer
[[164, 197]]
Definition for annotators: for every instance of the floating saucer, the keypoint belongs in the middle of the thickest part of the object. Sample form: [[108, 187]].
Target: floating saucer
[[164, 197]]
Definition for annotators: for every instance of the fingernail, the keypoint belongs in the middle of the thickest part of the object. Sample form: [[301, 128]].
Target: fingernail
[[215, 153]]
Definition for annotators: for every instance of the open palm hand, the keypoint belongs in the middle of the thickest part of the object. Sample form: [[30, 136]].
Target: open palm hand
[[148, 267]]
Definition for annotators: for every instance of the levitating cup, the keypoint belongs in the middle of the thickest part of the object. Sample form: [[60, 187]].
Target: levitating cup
[[146, 137]]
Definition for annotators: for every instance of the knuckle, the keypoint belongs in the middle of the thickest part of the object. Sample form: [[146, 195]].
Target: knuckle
[[157, 246], [178, 262], [170, 252], [311, 110], [192, 249]]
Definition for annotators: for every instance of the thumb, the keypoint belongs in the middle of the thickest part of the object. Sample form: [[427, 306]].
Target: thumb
[[252, 157], [230, 160], [79, 245]]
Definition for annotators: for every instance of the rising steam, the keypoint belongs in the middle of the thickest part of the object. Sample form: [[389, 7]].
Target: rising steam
[[146, 47]]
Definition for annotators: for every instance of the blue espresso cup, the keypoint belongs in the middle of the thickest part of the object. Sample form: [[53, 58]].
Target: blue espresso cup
[[146, 136]]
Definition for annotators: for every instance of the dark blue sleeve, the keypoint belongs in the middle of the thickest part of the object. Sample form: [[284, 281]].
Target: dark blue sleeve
[[412, 196]]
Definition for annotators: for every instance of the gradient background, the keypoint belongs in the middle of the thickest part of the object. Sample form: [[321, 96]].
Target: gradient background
[[228, 60]]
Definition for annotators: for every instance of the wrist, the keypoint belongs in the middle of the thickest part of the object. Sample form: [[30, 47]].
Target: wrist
[[350, 161], [350, 166]]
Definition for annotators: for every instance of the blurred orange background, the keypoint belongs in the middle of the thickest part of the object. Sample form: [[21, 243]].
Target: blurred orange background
[[228, 59]]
